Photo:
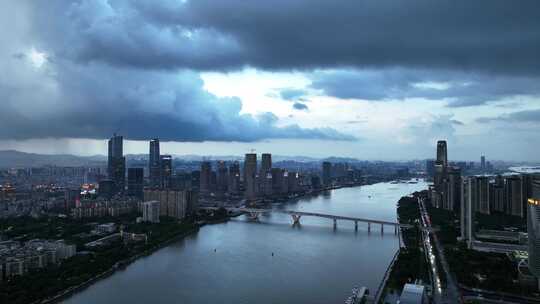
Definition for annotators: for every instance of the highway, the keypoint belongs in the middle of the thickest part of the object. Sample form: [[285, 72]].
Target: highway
[[451, 293]]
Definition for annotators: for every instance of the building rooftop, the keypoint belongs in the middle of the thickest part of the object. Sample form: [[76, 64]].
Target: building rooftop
[[412, 293]]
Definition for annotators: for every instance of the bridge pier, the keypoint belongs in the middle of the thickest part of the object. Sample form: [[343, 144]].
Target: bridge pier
[[296, 219], [368, 227], [355, 225], [253, 216], [395, 229], [382, 228], [335, 223]]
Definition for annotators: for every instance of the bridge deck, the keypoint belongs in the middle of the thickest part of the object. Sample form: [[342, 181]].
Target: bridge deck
[[302, 213]]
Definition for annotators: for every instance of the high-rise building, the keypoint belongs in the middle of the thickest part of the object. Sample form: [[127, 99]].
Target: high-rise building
[[166, 171], [293, 179], [514, 196], [453, 189], [266, 163], [533, 229], [250, 175], [496, 196], [277, 180], [468, 202], [483, 162], [326, 173], [233, 184], [117, 162], [483, 195], [154, 166], [285, 183], [135, 182], [440, 174], [151, 211], [206, 176], [177, 204], [442, 154], [195, 180], [222, 176], [266, 184]]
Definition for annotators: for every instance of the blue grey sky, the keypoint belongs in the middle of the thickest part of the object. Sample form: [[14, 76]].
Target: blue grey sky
[[373, 79]]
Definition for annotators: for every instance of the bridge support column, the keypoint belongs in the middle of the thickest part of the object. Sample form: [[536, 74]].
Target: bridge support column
[[368, 227], [355, 225], [254, 216], [335, 223], [382, 228], [395, 229], [296, 219]]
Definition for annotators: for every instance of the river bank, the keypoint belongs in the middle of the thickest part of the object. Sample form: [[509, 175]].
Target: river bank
[[119, 265], [233, 261], [409, 262]]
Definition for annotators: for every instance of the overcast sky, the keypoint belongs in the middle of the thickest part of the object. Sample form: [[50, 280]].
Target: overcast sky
[[375, 79]]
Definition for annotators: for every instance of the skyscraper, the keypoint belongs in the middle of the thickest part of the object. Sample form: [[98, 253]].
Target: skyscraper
[[233, 184], [266, 163], [250, 175], [166, 170], [496, 195], [442, 154], [117, 163], [453, 189], [151, 211], [483, 195], [205, 177], [468, 203], [154, 167], [514, 199], [135, 182], [483, 163], [533, 229], [222, 176], [326, 173]]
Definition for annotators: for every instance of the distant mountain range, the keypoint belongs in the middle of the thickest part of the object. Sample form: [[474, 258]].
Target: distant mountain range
[[17, 159]]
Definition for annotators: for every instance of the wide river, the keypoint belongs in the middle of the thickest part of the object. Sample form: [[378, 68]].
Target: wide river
[[233, 262]]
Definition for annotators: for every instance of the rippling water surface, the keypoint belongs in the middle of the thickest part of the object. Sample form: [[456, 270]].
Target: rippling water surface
[[312, 263]]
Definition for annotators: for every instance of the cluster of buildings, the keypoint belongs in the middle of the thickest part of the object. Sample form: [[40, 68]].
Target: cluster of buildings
[[172, 191], [253, 181], [339, 173], [100, 208], [18, 259], [515, 195], [172, 203]]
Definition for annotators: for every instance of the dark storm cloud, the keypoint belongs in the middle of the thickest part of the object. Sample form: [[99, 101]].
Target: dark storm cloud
[[527, 116], [300, 106], [64, 98], [459, 88], [484, 35], [97, 100]]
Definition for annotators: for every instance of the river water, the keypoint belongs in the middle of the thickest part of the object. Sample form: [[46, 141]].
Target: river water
[[233, 263]]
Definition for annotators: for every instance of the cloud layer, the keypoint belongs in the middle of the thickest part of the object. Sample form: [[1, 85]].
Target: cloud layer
[[485, 35], [459, 89], [46, 93]]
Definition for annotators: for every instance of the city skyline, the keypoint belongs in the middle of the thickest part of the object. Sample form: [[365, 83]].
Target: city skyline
[[86, 79]]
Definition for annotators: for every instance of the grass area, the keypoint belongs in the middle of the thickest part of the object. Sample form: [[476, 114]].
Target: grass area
[[47, 282], [411, 263]]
